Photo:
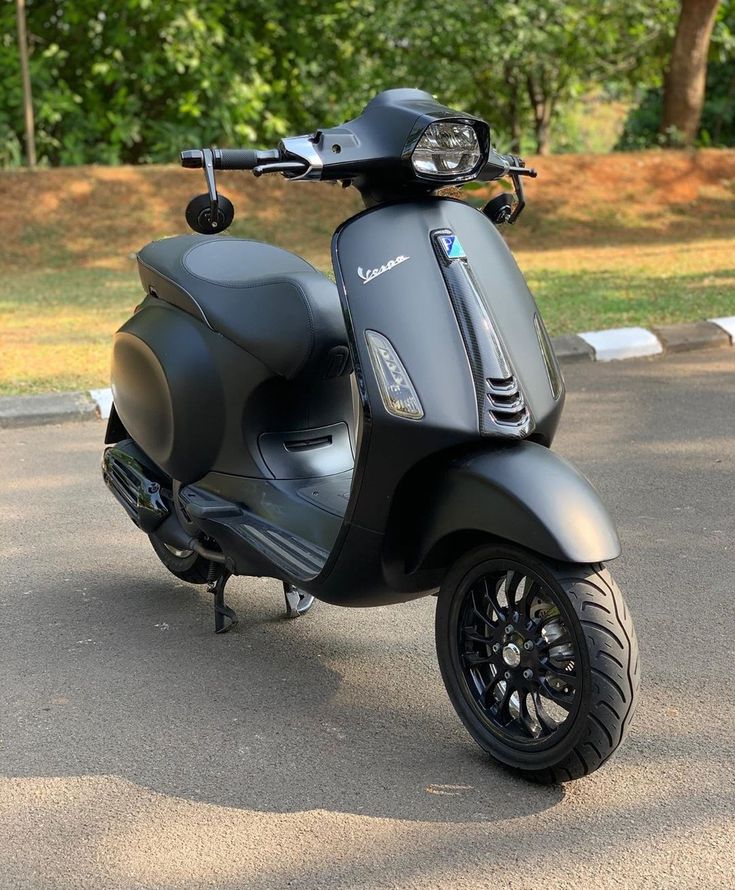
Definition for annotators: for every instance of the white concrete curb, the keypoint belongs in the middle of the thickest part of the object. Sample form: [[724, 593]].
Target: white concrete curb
[[103, 399], [609, 345], [727, 324], [620, 343], [601, 346]]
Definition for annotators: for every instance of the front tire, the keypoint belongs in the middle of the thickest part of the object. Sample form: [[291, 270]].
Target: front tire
[[539, 659]]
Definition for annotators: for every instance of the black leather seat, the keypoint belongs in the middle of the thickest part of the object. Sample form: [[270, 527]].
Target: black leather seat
[[270, 302]]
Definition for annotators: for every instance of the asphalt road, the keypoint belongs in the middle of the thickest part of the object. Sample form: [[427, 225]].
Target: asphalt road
[[137, 749]]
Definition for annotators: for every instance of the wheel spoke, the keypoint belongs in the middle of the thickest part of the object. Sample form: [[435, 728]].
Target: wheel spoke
[[471, 633], [478, 612], [563, 699], [523, 606], [548, 724], [490, 689], [492, 595], [500, 707], [512, 583], [525, 717]]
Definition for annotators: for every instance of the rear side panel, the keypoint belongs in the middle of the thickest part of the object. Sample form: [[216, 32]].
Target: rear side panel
[[180, 389]]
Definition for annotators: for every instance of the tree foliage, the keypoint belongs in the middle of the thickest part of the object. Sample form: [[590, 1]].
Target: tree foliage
[[136, 80], [515, 63]]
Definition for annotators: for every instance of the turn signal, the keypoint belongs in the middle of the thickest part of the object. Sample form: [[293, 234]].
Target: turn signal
[[396, 388]]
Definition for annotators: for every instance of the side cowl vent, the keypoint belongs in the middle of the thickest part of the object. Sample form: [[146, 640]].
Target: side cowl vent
[[501, 406], [507, 406]]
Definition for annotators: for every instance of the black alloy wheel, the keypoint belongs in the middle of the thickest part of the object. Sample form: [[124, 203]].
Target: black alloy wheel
[[540, 660]]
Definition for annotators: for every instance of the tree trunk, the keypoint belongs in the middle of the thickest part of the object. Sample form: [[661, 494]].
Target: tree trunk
[[26, 78], [542, 106], [685, 80]]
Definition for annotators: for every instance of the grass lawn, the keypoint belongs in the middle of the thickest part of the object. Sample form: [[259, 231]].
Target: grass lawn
[[55, 327], [580, 290], [647, 239]]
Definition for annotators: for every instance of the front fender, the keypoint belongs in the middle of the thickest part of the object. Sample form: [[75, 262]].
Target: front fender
[[525, 494]]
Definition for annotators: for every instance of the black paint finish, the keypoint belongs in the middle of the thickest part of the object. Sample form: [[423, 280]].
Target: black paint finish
[[525, 494], [267, 462]]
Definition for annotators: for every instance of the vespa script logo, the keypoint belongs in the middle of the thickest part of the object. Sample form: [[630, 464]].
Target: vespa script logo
[[372, 274]]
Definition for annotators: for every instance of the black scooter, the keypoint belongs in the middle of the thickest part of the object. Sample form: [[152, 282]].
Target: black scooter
[[383, 438]]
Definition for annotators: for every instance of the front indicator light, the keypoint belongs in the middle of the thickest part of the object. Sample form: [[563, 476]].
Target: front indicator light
[[447, 149], [396, 389]]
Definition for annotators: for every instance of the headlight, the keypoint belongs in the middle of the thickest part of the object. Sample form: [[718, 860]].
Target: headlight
[[447, 149]]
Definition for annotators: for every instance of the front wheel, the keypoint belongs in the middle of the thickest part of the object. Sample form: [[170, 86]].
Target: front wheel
[[540, 660]]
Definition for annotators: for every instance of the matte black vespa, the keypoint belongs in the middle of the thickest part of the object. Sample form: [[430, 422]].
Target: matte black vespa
[[370, 442]]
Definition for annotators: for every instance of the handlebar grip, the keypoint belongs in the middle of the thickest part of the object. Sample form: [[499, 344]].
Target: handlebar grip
[[236, 158], [230, 158]]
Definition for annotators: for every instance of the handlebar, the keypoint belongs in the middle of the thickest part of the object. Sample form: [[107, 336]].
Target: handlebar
[[499, 165], [271, 160], [292, 165]]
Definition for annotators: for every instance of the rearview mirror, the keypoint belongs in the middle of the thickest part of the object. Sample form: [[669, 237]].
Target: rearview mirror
[[199, 214]]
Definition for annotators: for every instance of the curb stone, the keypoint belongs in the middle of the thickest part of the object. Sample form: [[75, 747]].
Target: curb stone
[[601, 346], [727, 325], [18, 411], [697, 335], [621, 343], [103, 400], [572, 348]]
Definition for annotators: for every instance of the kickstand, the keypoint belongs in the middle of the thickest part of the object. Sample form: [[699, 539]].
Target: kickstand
[[297, 602], [225, 618]]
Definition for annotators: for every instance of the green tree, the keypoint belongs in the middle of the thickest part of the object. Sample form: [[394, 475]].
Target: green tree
[[135, 80], [518, 62]]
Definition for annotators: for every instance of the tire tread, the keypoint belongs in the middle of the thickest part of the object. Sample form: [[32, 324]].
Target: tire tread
[[613, 705]]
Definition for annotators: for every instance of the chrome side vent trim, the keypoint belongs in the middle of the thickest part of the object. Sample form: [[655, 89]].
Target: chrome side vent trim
[[501, 406], [507, 405]]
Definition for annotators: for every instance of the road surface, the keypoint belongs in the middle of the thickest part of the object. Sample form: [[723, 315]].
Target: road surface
[[137, 749]]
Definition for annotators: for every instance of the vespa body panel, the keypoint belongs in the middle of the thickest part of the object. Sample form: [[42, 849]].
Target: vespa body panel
[[197, 403], [409, 303], [523, 493], [176, 389], [266, 465]]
